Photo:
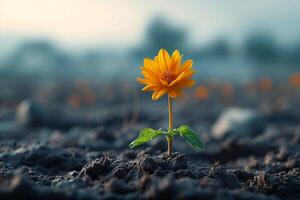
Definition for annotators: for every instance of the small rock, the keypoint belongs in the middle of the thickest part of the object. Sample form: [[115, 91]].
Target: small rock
[[162, 162], [19, 187], [219, 177], [261, 183], [30, 113], [269, 158], [180, 161], [96, 167], [147, 164], [291, 163], [120, 171], [238, 122], [282, 154], [253, 163]]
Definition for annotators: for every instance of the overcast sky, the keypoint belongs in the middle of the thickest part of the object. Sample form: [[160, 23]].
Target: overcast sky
[[124, 22]]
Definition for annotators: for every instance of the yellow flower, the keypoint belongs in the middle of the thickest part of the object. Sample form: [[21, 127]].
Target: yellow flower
[[165, 74]]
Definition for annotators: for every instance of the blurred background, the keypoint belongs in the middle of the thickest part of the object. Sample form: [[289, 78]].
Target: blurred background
[[85, 54], [70, 104]]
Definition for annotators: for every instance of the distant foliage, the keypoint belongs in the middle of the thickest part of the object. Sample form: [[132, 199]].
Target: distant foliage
[[261, 47], [161, 34]]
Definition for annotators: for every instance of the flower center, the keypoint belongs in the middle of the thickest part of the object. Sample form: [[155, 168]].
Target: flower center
[[168, 76]]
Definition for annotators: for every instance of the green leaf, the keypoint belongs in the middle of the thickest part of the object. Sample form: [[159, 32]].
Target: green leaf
[[173, 132], [191, 137], [145, 135]]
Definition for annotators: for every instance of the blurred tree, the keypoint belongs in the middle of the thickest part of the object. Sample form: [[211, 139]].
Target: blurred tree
[[261, 47], [31, 56], [161, 34], [219, 48], [39, 57], [294, 55]]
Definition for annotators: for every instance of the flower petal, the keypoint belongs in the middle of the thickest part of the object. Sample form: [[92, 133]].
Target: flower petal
[[151, 73], [151, 65], [177, 79], [149, 77], [167, 58], [185, 83], [161, 59], [154, 94], [160, 67], [175, 60], [150, 88], [189, 74], [142, 81], [175, 56], [163, 82], [160, 93], [187, 65], [173, 93]]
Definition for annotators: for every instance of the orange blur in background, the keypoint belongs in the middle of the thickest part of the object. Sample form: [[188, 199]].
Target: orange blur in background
[[265, 84], [295, 80], [202, 92]]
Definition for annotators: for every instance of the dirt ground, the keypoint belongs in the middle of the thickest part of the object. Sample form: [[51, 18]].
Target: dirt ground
[[58, 151]]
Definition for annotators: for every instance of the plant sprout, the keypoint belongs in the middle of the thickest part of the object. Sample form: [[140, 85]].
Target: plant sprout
[[166, 75]]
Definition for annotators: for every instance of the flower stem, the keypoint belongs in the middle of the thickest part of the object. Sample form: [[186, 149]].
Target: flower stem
[[169, 138]]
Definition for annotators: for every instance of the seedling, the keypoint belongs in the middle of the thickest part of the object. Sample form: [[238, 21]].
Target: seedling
[[166, 75]]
